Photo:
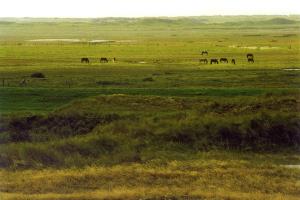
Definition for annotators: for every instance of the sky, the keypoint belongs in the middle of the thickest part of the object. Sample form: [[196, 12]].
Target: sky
[[144, 8]]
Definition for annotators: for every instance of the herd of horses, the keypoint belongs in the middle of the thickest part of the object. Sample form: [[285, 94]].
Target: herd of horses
[[249, 56], [102, 60], [250, 59]]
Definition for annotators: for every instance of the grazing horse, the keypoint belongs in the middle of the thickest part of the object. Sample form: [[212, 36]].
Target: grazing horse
[[86, 60], [250, 55], [223, 60], [214, 60], [114, 59], [250, 60], [205, 61], [204, 53], [233, 61], [103, 60]]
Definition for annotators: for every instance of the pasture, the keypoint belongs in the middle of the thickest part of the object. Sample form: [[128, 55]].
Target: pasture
[[156, 123]]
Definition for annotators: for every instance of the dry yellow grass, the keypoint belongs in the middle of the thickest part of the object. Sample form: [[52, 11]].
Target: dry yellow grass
[[198, 179]]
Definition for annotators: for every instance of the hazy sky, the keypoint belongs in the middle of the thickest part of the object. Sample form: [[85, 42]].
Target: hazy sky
[[140, 8]]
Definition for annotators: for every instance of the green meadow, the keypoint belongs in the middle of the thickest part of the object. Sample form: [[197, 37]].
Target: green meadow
[[156, 123]]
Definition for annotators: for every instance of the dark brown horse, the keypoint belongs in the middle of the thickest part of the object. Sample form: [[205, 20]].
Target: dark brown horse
[[205, 61], [204, 53], [103, 60], [86, 60], [223, 60], [214, 60], [233, 61], [250, 60], [250, 55]]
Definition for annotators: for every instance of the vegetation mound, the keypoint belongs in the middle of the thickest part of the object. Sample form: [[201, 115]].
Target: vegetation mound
[[279, 20], [89, 131]]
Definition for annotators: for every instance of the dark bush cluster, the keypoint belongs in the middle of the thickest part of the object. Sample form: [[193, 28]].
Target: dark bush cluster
[[148, 79], [233, 107], [35, 128], [258, 133], [37, 75], [73, 152], [105, 83], [128, 143]]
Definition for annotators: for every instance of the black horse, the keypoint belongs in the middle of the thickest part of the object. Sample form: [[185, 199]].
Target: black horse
[[205, 61], [250, 55], [204, 53], [214, 60], [86, 60], [223, 60], [250, 60], [233, 61], [103, 60]]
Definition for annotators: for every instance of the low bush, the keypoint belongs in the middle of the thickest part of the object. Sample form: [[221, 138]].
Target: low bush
[[36, 155], [92, 146], [6, 160], [37, 75], [261, 132], [21, 129], [104, 83], [148, 79]]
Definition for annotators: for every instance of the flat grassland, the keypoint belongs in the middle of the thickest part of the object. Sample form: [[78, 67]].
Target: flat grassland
[[156, 123]]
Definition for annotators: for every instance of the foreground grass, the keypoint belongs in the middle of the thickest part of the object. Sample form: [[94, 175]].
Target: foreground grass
[[211, 175]]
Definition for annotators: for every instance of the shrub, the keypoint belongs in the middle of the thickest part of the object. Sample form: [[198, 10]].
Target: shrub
[[37, 75], [36, 155], [104, 143], [148, 79], [104, 83], [20, 136], [183, 135], [4, 137], [18, 129], [261, 132], [22, 129], [5, 160], [90, 146]]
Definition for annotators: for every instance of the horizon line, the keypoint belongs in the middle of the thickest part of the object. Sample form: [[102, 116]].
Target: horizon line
[[217, 15]]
